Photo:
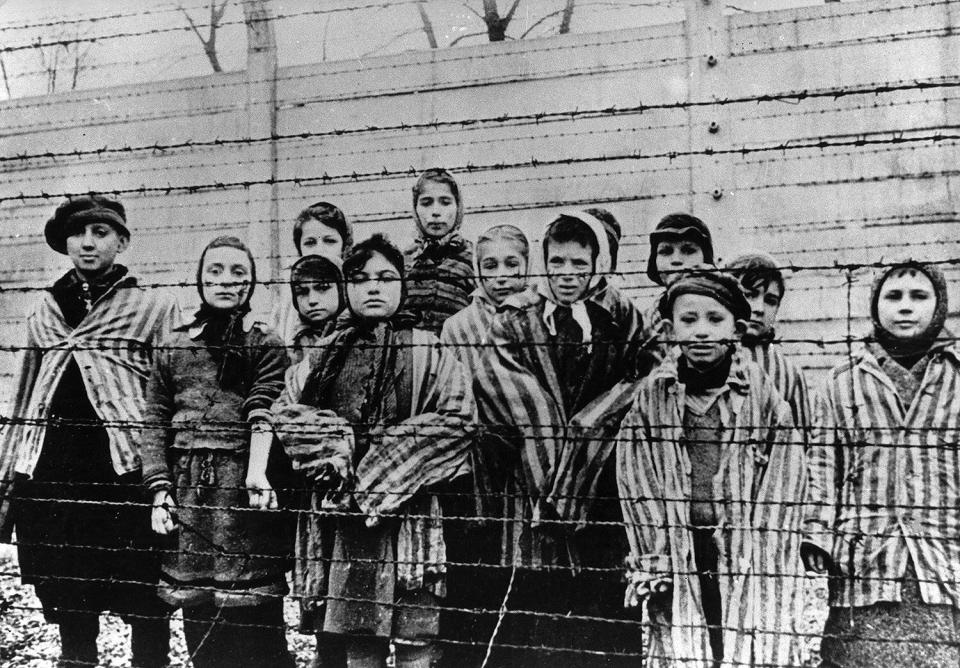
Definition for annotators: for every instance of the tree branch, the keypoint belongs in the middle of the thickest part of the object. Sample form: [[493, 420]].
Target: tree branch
[[427, 26], [471, 34], [540, 21]]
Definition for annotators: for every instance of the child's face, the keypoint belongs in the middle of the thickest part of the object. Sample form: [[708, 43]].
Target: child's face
[[94, 247], [569, 269], [502, 268], [764, 303], [906, 303], [226, 277], [317, 301], [320, 239], [676, 255], [437, 208], [374, 292], [704, 326]]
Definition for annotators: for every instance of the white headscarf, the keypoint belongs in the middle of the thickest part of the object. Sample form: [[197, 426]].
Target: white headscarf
[[601, 267]]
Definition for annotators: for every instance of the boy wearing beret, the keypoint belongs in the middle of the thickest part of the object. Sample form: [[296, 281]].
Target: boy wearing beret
[[712, 478], [72, 449]]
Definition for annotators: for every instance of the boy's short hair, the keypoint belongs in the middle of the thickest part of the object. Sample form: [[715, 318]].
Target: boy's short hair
[[327, 214], [360, 254], [756, 271], [566, 229]]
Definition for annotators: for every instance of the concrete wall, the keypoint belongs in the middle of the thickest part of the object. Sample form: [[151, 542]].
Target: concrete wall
[[516, 123]]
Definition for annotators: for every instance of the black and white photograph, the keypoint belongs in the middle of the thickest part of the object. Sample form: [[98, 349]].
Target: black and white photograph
[[479, 333]]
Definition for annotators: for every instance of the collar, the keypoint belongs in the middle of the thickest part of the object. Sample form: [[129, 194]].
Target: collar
[[195, 329], [738, 380]]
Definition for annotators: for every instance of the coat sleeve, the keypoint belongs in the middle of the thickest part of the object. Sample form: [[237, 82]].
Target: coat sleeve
[[25, 378], [824, 459], [158, 414], [269, 365], [643, 497], [432, 445]]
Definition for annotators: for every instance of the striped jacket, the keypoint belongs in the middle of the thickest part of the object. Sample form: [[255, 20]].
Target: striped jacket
[[518, 385], [760, 489], [787, 377], [885, 480], [113, 346]]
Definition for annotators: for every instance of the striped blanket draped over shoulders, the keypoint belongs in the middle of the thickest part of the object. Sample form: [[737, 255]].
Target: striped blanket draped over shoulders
[[760, 490], [404, 460], [113, 346]]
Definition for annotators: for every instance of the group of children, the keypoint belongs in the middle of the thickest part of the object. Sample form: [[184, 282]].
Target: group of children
[[487, 454]]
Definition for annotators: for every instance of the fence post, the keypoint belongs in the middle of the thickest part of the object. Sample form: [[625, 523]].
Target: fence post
[[707, 44], [263, 233]]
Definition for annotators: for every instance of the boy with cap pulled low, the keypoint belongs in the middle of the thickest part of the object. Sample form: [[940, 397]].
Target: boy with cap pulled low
[[72, 451], [712, 478]]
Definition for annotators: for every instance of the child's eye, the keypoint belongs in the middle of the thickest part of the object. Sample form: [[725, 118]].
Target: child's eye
[[689, 249], [489, 264], [770, 300], [664, 250], [688, 319], [512, 263]]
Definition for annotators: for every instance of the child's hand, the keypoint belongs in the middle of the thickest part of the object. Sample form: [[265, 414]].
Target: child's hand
[[815, 559], [163, 518], [260, 492]]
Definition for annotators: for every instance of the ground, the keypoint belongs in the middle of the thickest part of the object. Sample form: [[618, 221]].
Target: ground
[[26, 641]]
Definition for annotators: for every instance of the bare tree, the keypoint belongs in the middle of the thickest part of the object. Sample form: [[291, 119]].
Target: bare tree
[[217, 10]]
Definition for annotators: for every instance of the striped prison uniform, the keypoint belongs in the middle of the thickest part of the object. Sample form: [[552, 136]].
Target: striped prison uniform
[[787, 377], [759, 493], [885, 480], [113, 347]]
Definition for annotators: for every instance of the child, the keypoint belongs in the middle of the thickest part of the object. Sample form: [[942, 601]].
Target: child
[[763, 286], [376, 418], [711, 477], [320, 229], [82, 532], [552, 353], [211, 391], [884, 465], [317, 286], [680, 242], [440, 276], [476, 548]]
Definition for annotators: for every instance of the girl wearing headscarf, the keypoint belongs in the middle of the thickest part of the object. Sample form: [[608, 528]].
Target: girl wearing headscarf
[[205, 462], [380, 415], [477, 548], [439, 265], [321, 229], [552, 352], [884, 477], [316, 286], [712, 478]]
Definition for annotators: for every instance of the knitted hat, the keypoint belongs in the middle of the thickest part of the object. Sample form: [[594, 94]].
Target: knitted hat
[[79, 211], [711, 284], [316, 268], [679, 226], [898, 347]]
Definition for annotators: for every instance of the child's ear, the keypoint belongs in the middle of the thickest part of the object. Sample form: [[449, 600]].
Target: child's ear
[[740, 327], [668, 331]]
